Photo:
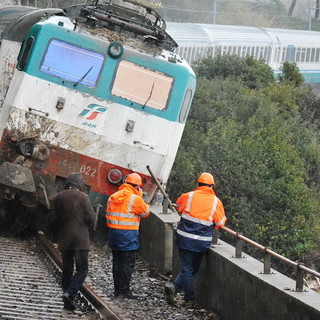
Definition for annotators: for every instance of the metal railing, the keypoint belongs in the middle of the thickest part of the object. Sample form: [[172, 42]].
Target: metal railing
[[268, 253], [300, 268]]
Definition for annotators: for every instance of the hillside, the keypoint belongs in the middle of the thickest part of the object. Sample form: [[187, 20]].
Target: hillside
[[257, 13], [262, 13]]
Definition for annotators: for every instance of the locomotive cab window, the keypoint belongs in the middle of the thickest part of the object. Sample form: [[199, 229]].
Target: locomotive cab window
[[72, 63], [185, 106], [147, 87], [24, 53]]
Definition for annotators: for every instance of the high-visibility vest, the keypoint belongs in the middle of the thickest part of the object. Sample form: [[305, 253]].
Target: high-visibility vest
[[125, 208], [201, 211]]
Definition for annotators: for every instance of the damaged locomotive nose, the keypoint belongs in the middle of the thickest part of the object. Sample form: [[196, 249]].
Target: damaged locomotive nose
[[38, 151]]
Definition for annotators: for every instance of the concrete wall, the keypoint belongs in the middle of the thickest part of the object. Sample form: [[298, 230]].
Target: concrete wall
[[156, 235], [235, 288]]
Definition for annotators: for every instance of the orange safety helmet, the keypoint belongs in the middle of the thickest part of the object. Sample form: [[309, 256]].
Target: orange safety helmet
[[134, 178], [206, 178]]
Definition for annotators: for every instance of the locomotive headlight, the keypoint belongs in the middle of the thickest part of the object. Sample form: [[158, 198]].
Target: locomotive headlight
[[114, 176], [115, 50]]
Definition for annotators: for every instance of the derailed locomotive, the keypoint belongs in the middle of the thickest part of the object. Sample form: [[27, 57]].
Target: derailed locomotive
[[92, 88]]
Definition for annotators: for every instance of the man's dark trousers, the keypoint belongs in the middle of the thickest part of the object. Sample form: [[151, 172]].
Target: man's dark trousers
[[122, 268]]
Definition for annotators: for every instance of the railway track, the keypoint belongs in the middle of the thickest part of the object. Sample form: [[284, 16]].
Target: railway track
[[30, 289]]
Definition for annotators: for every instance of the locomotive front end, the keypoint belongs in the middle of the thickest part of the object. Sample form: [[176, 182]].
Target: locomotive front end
[[90, 97]]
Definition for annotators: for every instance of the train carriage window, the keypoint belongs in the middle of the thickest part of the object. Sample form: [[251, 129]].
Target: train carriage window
[[318, 55], [224, 50], [202, 52], [72, 63], [184, 52], [253, 51], [313, 55], [261, 53], [267, 54], [258, 53], [279, 54], [152, 90], [308, 55], [303, 54], [276, 54], [189, 54], [291, 53], [234, 50], [298, 55], [193, 54], [284, 54], [243, 51]]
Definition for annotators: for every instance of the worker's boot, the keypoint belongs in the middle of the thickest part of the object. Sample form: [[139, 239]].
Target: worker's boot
[[68, 301], [170, 292]]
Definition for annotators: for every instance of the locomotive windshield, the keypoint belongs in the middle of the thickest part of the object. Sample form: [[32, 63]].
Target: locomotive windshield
[[72, 63], [141, 85]]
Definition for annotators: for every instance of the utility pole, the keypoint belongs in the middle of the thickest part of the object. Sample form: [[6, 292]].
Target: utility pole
[[214, 11], [309, 16]]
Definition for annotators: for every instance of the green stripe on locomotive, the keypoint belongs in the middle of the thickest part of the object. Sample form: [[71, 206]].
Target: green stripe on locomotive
[[53, 28]]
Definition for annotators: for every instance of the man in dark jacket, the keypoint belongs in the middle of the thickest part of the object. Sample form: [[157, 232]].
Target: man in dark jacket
[[75, 219]]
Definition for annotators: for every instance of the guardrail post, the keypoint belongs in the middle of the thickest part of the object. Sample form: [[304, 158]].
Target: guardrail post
[[267, 263], [214, 237], [239, 243], [165, 205], [299, 281]]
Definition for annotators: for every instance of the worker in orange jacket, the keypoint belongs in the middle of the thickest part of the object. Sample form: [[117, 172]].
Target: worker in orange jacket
[[201, 212], [124, 210]]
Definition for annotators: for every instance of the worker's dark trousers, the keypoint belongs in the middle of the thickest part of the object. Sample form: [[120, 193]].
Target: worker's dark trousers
[[189, 264], [71, 283], [122, 267]]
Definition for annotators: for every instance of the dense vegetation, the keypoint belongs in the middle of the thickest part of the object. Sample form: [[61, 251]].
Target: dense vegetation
[[259, 136]]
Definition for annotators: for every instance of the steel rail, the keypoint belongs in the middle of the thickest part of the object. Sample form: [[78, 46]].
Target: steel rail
[[98, 303]]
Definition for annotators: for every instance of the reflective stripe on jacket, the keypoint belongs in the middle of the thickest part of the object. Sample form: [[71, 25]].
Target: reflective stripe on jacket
[[201, 212], [124, 210]]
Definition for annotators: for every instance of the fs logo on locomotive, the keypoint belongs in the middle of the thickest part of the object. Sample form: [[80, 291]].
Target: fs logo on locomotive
[[91, 111]]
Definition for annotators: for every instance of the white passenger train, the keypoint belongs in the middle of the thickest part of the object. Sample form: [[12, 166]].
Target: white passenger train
[[274, 46]]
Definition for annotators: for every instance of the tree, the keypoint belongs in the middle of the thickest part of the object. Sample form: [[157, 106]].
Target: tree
[[291, 73], [317, 9], [292, 6], [262, 150], [254, 73]]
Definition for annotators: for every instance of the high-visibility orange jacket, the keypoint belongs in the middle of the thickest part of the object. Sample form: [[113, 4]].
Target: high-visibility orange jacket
[[201, 211], [124, 210]]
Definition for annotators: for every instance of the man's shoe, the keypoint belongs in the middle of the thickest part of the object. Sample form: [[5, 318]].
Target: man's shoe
[[188, 304], [131, 296], [127, 295], [68, 302], [170, 293]]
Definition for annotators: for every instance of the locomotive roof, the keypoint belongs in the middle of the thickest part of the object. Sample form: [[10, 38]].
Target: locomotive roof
[[15, 21], [193, 34], [135, 20]]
